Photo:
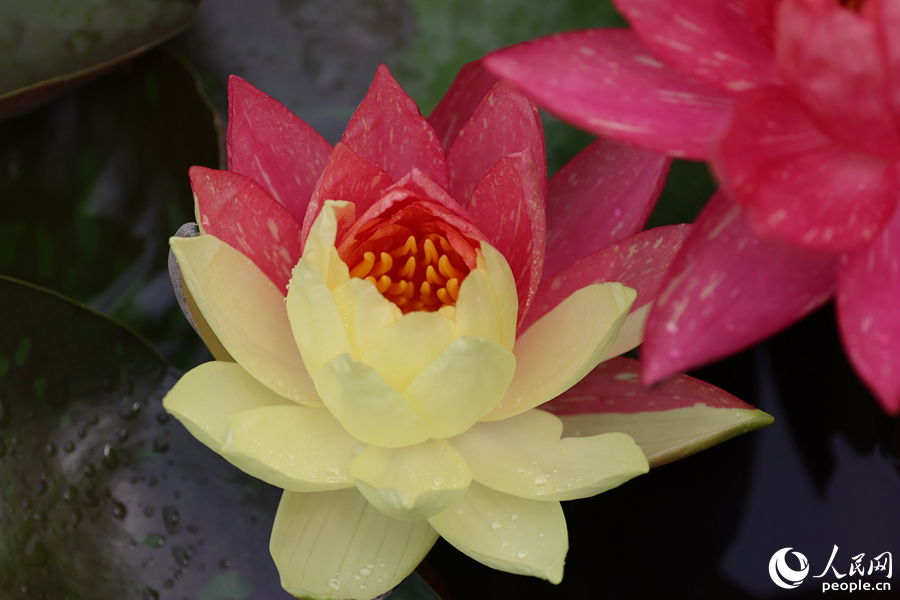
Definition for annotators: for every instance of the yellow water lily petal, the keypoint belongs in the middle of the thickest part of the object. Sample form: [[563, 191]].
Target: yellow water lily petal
[[503, 285], [477, 314], [315, 320], [367, 407], [564, 345], [335, 545], [319, 248], [668, 435], [632, 333], [213, 343], [524, 456], [463, 384], [296, 448], [207, 395], [414, 482], [364, 311], [246, 312], [507, 533], [401, 350]]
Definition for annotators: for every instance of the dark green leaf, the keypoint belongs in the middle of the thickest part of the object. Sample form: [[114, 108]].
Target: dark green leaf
[[94, 183], [49, 46], [102, 495]]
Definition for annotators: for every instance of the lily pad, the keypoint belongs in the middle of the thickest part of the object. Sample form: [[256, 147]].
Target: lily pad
[[103, 496], [49, 46], [96, 182]]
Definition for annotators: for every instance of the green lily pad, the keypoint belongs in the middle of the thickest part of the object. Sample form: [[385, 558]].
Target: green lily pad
[[103, 496], [94, 184], [50, 46]]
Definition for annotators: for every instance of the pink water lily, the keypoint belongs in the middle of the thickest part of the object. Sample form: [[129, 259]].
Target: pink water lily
[[796, 106], [389, 314]]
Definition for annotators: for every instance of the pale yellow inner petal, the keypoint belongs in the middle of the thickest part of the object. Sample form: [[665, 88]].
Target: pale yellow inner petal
[[364, 311], [315, 320], [207, 395], [337, 545], [414, 482], [507, 533], [524, 456], [632, 333], [246, 312], [477, 314], [367, 407], [564, 345], [399, 351], [668, 435], [296, 448], [461, 385], [503, 285], [319, 248]]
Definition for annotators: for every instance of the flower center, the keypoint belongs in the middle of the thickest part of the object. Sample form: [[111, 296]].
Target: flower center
[[421, 273]]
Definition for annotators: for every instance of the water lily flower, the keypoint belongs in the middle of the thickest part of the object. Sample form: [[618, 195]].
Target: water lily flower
[[388, 314], [796, 106]]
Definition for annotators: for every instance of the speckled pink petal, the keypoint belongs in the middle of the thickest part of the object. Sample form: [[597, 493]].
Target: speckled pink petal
[[889, 30], [709, 40], [504, 122], [670, 421], [388, 131], [471, 84], [602, 196], [242, 214], [614, 387], [607, 82], [726, 290], [508, 207], [798, 185], [273, 147], [640, 262], [868, 304], [831, 59], [349, 177]]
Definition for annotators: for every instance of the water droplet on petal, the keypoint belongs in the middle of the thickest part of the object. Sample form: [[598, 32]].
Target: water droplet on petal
[[523, 554], [334, 584], [496, 525]]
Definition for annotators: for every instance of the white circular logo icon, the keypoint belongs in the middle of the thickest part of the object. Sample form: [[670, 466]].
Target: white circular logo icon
[[783, 575]]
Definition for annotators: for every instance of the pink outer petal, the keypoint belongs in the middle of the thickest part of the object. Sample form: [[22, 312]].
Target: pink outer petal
[[889, 19], [613, 388], [508, 206], [273, 147], [602, 196], [640, 262], [388, 130], [868, 304], [727, 290], [832, 60], [709, 40], [607, 82], [796, 184], [471, 84], [242, 214], [349, 177], [505, 122]]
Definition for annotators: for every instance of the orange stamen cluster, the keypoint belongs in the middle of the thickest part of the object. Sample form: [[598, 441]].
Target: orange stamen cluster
[[419, 274]]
